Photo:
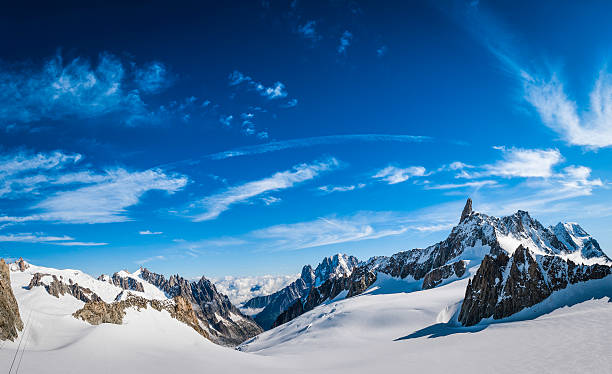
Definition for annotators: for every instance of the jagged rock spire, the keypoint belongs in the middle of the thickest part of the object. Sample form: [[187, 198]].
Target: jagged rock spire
[[467, 210]]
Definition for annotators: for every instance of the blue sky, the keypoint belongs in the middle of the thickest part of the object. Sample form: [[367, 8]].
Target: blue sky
[[250, 138]]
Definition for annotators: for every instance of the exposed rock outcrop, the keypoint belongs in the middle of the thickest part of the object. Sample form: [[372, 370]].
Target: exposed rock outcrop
[[329, 290], [126, 283], [467, 210], [57, 287], [10, 320], [97, 312], [224, 322], [21, 264], [505, 285], [438, 275]]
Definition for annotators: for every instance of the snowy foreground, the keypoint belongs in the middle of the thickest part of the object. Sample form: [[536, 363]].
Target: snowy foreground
[[384, 329]]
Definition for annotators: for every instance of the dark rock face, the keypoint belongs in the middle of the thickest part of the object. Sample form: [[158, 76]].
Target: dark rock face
[[283, 299], [467, 210], [327, 291], [21, 264], [126, 283], [97, 312], [10, 320], [435, 277], [232, 328], [361, 279], [506, 285], [57, 287]]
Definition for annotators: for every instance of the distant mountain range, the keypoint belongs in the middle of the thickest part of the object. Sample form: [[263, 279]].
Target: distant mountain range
[[512, 263]]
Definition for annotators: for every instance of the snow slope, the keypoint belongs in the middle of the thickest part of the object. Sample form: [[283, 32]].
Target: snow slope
[[379, 332], [390, 328]]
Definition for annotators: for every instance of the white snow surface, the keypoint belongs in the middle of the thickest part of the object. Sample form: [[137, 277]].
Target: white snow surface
[[391, 328]]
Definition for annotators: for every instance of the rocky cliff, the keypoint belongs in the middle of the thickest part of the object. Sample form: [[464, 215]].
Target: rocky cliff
[[505, 285], [223, 321], [97, 312], [10, 320], [56, 287]]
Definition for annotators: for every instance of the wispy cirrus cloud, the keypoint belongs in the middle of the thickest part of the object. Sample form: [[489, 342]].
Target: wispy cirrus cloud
[[394, 174], [46, 239], [108, 200], [314, 141], [544, 90], [328, 230], [218, 203], [149, 232], [520, 162], [331, 189], [591, 129], [68, 192]]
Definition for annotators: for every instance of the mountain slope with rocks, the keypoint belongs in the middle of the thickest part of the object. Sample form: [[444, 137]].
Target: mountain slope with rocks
[[271, 306], [223, 321]]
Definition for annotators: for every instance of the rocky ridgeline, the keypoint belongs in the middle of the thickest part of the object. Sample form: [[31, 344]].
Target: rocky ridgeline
[[57, 288], [335, 267], [126, 283], [225, 324], [10, 320], [97, 312], [505, 285]]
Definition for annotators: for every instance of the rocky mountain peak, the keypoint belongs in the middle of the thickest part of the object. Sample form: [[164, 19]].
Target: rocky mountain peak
[[10, 320], [308, 275], [224, 323], [467, 210]]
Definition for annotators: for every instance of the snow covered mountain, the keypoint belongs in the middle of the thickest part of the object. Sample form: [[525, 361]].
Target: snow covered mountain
[[268, 307], [476, 237], [493, 285]]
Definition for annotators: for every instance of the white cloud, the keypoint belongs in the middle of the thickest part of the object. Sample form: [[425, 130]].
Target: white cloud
[[241, 289], [216, 204], [394, 175], [41, 238], [32, 238], [308, 31], [80, 244], [450, 186], [327, 231], [518, 162], [330, 189], [591, 129], [345, 42], [75, 89], [24, 162], [149, 232], [226, 120], [149, 259], [107, 200], [152, 78], [276, 91], [313, 141]]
